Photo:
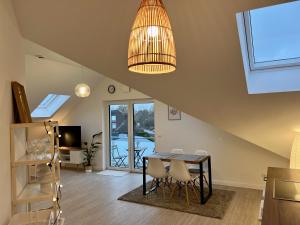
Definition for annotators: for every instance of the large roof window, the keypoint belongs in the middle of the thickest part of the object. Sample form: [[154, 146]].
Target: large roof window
[[273, 36], [49, 106], [270, 47]]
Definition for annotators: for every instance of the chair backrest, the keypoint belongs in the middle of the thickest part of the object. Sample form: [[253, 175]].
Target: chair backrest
[[177, 151], [156, 168], [201, 152], [179, 171], [154, 149], [115, 151]]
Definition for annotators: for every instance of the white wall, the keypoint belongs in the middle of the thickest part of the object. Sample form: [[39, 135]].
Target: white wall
[[235, 161], [54, 74], [89, 114], [12, 67]]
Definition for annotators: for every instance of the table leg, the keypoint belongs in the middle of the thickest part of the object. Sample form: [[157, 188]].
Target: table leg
[[202, 200], [144, 177], [209, 177]]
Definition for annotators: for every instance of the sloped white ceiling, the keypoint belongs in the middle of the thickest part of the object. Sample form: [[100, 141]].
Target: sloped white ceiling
[[54, 74], [209, 82]]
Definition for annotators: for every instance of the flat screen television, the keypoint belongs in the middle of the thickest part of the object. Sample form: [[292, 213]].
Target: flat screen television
[[70, 136]]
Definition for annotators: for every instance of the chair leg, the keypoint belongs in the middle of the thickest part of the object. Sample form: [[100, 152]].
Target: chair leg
[[123, 162], [163, 187], [187, 194], [179, 188], [197, 181], [173, 191], [168, 183], [157, 184], [194, 190], [205, 180], [152, 184], [116, 162]]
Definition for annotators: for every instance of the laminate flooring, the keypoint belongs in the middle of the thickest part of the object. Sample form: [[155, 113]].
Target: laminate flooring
[[91, 199]]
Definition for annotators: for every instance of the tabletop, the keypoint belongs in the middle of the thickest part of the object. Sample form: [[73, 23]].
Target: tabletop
[[167, 156]]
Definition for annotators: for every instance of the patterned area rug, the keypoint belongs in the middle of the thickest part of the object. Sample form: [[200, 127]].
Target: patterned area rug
[[215, 207]]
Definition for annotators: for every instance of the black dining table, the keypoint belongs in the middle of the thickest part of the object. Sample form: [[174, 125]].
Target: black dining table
[[138, 156], [189, 159]]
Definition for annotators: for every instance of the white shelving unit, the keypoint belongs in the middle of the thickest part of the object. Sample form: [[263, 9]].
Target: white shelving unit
[[34, 188]]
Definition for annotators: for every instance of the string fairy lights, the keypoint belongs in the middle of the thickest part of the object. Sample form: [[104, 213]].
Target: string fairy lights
[[58, 186]]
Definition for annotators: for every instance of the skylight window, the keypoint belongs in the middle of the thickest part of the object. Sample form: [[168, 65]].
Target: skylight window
[[270, 47], [273, 36], [49, 106]]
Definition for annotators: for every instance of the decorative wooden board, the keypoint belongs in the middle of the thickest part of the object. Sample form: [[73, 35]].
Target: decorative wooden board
[[21, 108]]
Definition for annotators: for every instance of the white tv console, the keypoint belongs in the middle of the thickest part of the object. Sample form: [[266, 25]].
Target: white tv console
[[71, 156]]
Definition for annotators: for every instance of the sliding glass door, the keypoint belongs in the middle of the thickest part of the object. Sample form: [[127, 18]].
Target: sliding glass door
[[143, 132], [118, 135], [131, 134]]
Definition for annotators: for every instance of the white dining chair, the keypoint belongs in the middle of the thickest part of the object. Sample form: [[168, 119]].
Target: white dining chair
[[157, 170], [177, 151], [179, 172], [197, 152], [194, 169], [201, 152]]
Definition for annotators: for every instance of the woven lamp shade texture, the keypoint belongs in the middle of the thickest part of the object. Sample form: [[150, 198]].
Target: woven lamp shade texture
[[151, 45]]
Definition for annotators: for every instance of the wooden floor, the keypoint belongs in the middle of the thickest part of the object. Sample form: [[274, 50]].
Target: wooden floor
[[91, 199]]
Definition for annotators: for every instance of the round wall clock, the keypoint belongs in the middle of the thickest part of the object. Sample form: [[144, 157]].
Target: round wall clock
[[111, 89]]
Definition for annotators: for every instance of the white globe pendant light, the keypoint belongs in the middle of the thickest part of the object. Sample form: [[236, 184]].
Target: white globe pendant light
[[82, 90]]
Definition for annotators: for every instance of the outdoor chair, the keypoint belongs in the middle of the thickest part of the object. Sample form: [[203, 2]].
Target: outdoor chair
[[117, 158]]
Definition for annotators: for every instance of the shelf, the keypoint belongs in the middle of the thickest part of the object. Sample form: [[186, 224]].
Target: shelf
[[35, 124], [31, 159], [32, 193], [47, 180], [70, 149], [32, 218], [66, 162], [61, 221], [64, 155], [38, 183], [65, 158]]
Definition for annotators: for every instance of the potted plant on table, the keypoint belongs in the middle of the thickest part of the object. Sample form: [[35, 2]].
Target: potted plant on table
[[89, 152]]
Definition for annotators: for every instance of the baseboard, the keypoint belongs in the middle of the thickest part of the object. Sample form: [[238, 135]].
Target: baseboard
[[239, 184], [97, 168], [221, 182]]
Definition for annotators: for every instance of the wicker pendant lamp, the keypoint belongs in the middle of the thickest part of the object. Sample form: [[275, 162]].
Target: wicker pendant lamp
[[151, 46]]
